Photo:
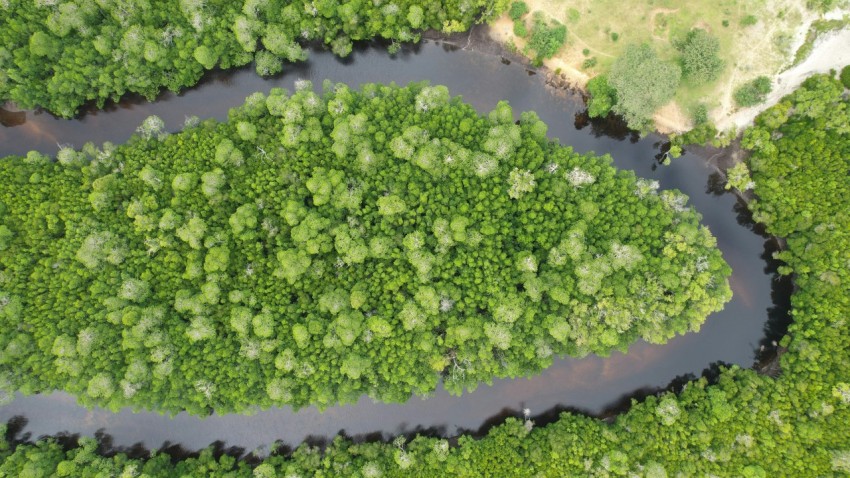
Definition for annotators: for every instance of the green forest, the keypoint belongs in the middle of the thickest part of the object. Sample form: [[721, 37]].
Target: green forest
[[746, 424], [62, 54], [313, 249]]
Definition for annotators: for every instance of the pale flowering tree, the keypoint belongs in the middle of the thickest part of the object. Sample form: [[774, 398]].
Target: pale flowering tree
[[152, 127], [521, 182], [578, 177]]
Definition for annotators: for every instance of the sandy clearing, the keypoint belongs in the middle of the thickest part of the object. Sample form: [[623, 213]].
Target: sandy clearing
[[756, 52], [832, 51]]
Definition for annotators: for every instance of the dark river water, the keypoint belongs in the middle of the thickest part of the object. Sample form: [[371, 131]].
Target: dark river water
[[591, 385]]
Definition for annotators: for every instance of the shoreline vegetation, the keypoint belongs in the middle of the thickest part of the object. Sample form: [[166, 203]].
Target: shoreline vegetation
[[60, 55], [745, 424], [320, 248]]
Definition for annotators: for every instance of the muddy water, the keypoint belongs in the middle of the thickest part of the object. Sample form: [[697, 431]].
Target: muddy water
[[593, 385]]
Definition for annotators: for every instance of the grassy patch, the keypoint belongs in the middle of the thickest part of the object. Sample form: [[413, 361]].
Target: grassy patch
[[754, 38]]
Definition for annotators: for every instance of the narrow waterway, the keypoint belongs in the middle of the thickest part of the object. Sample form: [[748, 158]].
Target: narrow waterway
[[592, 385]]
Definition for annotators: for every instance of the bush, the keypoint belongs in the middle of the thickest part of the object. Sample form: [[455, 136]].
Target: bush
[[602, 97], [519, 29], [589, 63], [753, 92], [749, 20], [700, 61], [547, 37], [699, 115], [845, 76], [517, 10]]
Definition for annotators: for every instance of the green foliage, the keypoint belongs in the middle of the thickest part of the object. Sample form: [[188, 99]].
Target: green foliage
[[700, 59], [589, 63], [845, 76], [59, 55], [753, 92], [377, 251], [749, 20], [701, 134], [602, 97], [738, 177], [643, 83], [746, 424], [699, 114], [547, 37], [517, 10], [520, 29]]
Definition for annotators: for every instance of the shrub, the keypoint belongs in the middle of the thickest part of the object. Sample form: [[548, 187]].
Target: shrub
[[700, 60], [699, 115], [602, 97], [547, 37], [517, 10], [749, 20], [845, 76], [519, 29], [753, 92]]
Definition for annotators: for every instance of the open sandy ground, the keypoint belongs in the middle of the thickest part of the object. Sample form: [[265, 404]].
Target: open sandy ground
[[754, 53], [830, 52]]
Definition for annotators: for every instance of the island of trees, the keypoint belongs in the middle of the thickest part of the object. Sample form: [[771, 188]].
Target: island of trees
[[747, 424], [316, 248]]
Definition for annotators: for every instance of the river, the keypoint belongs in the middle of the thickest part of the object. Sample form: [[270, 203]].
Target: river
[[756, 315]]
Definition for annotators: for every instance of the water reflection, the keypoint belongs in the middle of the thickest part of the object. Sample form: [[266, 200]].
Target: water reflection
[[592, 385]]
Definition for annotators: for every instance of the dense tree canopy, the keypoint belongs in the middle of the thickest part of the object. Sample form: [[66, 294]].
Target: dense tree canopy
[[60, 54], [747, 424], [317, 248]]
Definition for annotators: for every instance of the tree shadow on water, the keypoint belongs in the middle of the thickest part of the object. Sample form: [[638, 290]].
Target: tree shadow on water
[[611, 126]]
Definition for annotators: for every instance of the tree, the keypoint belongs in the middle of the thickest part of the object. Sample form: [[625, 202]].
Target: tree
[[206, 56], [700, 59], [42, 44], [547, 37], [643, 83], [602, 97]]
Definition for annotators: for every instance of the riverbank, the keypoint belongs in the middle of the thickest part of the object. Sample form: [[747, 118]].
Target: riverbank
[[756, 41]]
